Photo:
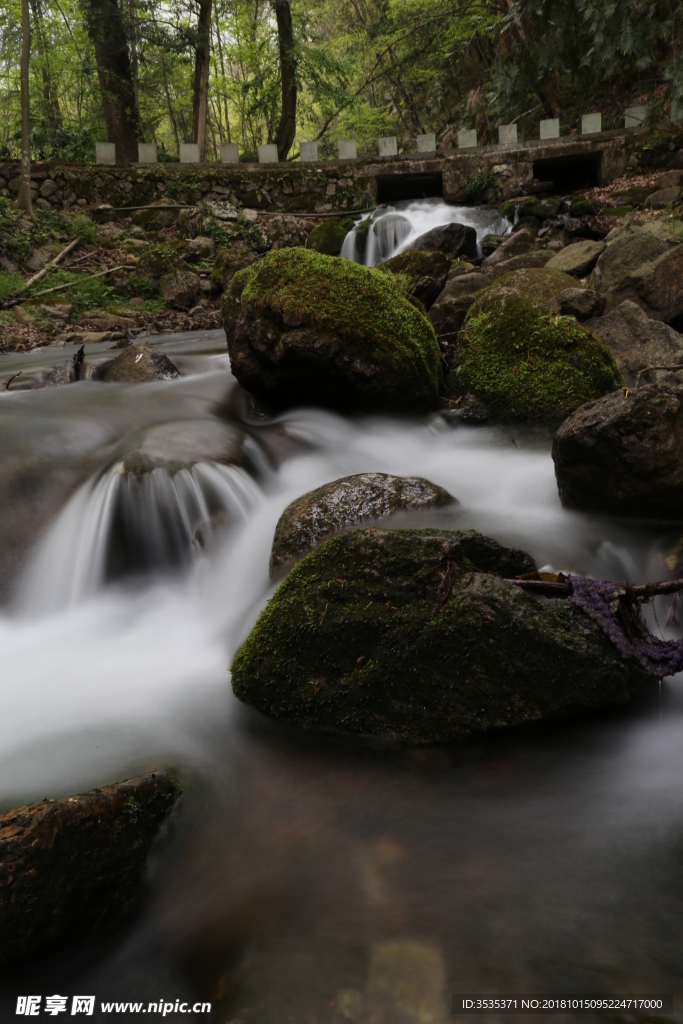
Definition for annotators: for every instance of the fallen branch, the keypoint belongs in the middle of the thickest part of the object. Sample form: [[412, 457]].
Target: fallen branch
[[651, 366], [563, 588], [61, 287], [51, 263], [13, 377]]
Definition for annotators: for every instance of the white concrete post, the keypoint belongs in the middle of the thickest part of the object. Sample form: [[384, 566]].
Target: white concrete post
[[550, 129], [308, 151], [147, 152], [426, 143], [467, 138], [635, 117], [591, 124], [388, 146], [507, 134], [189, 153], [267, 154], [230, 153], [105, 152], [347, 150]]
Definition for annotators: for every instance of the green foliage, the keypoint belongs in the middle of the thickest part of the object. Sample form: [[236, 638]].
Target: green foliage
[[82, 227], [528, 365], [479, 183]]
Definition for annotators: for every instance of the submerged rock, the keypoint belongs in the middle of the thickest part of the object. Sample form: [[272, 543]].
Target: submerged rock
[[179, 445], [624, 453], [424, 273], [303, 328], [636, 341], [137, 364], [414, 635], [69, 866], [318, 515], [452, 239], [525, 364]]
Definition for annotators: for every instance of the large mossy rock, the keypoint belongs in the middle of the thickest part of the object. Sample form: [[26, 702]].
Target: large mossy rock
[[525, 364], [303, 328], [228, 262], [624, 453], [414, 635], [327, 510], [537, 283], [422, 274], [70, 866], [329, 236]]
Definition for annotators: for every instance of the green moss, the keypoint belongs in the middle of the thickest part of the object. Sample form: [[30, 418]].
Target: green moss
[[617, 211], [536, 283], [414, 634], [531, 223], [356, 304], [477, 184], [508, 209], [524, 364], [329, 236], [582, 207]]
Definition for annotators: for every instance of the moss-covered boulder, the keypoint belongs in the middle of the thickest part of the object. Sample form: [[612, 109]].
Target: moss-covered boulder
[[537, 283], [304, 328], [329, 236], [526, 364], [228, 262], [421, 274], [417, 635], [336, 506]]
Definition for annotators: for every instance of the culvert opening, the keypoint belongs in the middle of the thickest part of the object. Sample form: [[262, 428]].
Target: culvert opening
[[568, 173], [393, 187]]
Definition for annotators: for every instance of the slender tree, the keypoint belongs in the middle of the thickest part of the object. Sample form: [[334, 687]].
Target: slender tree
[[286, 130], [201, 77], [24, 198], [106, 29]]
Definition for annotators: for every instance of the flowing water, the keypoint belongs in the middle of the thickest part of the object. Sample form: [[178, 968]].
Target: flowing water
[[304, 879], [389, 230]]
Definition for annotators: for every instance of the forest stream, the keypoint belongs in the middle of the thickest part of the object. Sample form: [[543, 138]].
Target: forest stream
[[303, 876]]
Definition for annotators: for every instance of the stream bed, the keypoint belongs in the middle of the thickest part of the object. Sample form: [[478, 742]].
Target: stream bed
[[306, 879]]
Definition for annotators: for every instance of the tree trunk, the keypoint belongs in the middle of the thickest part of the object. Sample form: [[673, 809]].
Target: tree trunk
[[287, 127], [105, 26], [134, 55], [24, 198], [220, 54], [52, 112], [201, 77]]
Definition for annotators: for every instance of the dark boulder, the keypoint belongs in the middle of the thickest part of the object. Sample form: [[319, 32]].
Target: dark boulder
[[581, 303], [422, 274], [452, 239], [304, 328], [415, 635], [636, 341], [329, 236], [70, 866], [623, 454], [329, 509]]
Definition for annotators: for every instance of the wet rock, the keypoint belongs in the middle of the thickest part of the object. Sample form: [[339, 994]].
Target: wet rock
[[577, 259], [415, 635], [137, 364], [636, 341], [71, 866], [180, 288], [467, 409], [424, 273], [623, 454], [540, 284], [663, 198], [490, 243], [525, 261], [175, 446], [672, 179], [228, 262], [23, 317], [329, 236], [660, 284], [582, 303], [630, 250], [316, 516], [452, 239], [514, 245], [307, 328], [524, 363]]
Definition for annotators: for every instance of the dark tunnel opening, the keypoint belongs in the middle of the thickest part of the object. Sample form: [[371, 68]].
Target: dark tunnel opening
[[393, 187], [569, 173]]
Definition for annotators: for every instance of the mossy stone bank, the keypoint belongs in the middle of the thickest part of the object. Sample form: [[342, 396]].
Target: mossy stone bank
[[416, 635], [526, 364], [304, 328]]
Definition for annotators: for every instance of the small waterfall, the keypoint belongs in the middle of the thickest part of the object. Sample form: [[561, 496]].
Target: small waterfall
[[127, 523], [391, 229]]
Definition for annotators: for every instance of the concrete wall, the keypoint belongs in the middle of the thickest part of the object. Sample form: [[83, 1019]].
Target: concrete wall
[[324, 187]]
